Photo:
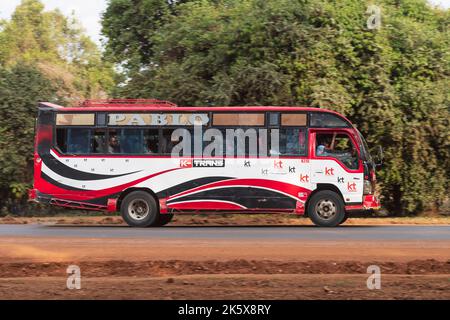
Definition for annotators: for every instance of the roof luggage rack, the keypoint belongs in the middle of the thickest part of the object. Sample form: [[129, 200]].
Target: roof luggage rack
[[127, 102]]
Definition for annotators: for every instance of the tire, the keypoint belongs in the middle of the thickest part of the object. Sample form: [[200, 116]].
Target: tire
[[326, 209], [345, 218], [139, 209], [165, 219]]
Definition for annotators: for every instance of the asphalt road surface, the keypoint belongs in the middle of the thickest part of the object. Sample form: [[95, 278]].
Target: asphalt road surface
[[354, 233]]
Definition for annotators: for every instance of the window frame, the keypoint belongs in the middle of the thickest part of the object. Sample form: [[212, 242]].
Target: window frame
[[280, 126], [346, 131]]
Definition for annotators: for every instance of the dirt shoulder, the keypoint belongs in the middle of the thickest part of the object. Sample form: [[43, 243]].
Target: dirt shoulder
[[28, 249], [204, 286]]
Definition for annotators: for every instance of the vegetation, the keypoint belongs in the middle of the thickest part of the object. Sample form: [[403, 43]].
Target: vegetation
[[44, 56], [392, 82]]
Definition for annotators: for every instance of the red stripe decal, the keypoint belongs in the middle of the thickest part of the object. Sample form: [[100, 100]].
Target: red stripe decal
[[45, 187]]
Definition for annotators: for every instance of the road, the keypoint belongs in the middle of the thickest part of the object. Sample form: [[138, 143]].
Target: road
[[283, 242], [210, 262], [233, 233]]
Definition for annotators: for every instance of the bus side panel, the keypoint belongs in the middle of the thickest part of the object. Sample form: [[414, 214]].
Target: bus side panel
[[202, 184]]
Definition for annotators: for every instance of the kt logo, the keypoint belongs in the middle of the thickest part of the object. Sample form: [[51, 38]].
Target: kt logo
[[278, 164], [247, 164], [291, 169], [304, 178], [340, 179], [329, 171], [351, 187]]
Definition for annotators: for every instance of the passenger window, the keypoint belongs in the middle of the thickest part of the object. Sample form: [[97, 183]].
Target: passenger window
[[61, 139], [132, 141], [78, 141], [166, 142], [338, 146], [114, 141], [151, 141], [291, 142], [327, 120], [171, 143], [98, 141]]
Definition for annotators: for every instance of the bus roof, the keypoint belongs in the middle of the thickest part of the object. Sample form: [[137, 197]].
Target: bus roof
[[140, 105]]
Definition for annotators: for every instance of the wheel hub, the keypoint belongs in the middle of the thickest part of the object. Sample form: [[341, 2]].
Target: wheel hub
[[326, 208], [138, 209]]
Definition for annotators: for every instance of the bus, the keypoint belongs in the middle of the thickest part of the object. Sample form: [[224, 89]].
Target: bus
[[151, 159]]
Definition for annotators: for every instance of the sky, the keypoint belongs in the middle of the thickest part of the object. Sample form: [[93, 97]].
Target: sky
[[89, 11]]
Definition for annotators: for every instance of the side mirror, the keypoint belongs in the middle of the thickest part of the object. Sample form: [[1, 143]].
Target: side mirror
[[379, 157]]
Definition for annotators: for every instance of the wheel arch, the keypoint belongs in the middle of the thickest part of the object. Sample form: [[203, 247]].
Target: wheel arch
[[323, 187], [133, 189]]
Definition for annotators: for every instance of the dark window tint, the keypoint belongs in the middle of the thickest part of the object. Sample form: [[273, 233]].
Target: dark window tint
[[98, 141], [151, 141], [182, 142], [274, 119], [114, 141], [327, 120], [166, 141], [78, 141], [132, 141], [101, 119], [61, 139]]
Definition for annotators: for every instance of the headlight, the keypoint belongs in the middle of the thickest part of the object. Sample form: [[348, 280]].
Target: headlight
[[367, 187]]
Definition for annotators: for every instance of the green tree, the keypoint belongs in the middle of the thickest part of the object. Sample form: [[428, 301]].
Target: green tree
[[44, 56], [20, 89], [392, 82], [58, 46]]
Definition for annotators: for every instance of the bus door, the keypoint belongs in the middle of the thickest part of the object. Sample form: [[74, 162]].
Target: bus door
[[335, 160]]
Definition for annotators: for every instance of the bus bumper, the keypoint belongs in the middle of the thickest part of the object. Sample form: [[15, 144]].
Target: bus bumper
[[32, 195], [370, 202]]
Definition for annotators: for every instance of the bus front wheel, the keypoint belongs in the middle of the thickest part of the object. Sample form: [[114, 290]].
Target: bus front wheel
[[139, 209], [326, 209]]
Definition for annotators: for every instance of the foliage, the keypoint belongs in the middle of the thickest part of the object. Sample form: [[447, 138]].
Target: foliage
[[44, 56], [20, 89], [59, 48], [392, 82]]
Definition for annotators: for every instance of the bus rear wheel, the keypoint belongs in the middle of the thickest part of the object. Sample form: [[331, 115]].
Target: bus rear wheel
[[139, 209], [326, 209]]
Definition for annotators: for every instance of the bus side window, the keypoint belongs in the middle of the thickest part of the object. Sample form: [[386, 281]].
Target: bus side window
[[98, 141], [78, 140], [61, 139], [151, 141], [166, 143], [132, 141], [113, 141], [327, 120], [292, 142]]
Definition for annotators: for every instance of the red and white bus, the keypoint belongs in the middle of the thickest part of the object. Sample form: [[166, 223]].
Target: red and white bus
[[118, 155]]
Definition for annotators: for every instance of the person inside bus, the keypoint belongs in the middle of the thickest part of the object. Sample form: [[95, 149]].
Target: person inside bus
[[166, 143], [151, 146], [114, 146], [325, 146]]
